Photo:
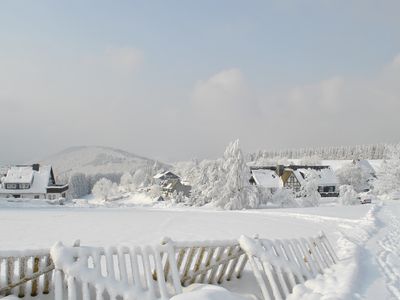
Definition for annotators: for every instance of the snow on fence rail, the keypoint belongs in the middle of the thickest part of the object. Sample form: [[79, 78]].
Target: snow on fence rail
[[25, 273]]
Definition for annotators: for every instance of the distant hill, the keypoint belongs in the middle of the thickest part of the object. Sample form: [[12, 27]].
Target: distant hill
[[95, 160]]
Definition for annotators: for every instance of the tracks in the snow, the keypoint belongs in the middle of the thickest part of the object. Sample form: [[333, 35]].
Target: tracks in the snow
[[389, 252]]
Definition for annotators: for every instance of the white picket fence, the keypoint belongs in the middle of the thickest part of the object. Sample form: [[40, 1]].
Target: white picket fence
[[160, 272], [279, 265]]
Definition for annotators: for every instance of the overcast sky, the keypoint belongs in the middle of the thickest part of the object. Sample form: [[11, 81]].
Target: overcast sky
[[179, 79]]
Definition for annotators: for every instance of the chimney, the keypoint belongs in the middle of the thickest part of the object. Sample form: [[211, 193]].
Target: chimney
[[35, 167], [280, 169]]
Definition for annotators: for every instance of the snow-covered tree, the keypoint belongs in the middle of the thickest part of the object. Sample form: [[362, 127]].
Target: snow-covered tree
[[235, 190], [388, 180], [347, 195], [105, 189], [308, 194], [353, 174], [78, 186], [126, 182]]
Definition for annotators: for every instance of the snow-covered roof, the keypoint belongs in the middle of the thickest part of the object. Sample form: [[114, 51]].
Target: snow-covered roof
[[365, 165], [267, 178], [326, 176], [167, 173], [19, 175], [39, 183]]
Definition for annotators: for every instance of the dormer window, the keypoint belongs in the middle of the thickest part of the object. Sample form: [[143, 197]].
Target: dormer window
[[11, 186], [24, 186]]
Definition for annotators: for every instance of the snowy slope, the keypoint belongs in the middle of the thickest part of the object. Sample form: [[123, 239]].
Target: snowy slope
[[95, 159]]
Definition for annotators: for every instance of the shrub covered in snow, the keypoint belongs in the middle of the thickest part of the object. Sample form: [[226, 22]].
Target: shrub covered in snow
[[308, 194], [347, 195], [284, 198], [355, 175], [105, 189]]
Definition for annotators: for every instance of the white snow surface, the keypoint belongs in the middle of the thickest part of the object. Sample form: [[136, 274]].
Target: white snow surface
[[365, 237]]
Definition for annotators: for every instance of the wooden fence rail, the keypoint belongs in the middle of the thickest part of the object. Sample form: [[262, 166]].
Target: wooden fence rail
[[25, 273]]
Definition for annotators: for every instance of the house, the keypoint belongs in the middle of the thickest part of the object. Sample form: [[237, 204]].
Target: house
[[266, 178], [31, 181], [171, 183], [166, 176], [294, 177], [366, 166]]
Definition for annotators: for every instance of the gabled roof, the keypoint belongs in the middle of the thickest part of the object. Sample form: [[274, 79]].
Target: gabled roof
[[19, 175], [166, 174], [365, 165], [266, 178], [326, 177]]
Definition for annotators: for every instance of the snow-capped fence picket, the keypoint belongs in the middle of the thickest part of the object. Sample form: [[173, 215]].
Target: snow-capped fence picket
[[115, 273], [24, 273], [279, 265]]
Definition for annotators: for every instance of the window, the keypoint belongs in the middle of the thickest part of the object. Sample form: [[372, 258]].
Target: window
[[11, 186], [293, 183], [24, 186], [36, 197]]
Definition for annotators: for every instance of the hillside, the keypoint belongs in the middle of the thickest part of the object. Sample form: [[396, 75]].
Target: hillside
[[96, 159]]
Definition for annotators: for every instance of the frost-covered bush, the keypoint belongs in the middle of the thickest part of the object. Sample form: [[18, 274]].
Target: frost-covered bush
[[347, 195], [355, 175], [126, 179], [105, 189], [284, 198], [178, 197], [127, 183], [155, 191], [308, 194]]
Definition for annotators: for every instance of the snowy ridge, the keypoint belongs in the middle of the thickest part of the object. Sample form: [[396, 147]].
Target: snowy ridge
[[94, 160]]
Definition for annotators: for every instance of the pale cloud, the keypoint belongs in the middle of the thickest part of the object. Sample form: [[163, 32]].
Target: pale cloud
[[396, 61], [322, 95], [226, 92], [224, 87]]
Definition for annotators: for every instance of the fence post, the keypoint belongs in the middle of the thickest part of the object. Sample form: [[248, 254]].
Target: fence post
[[35, 269], [22, 274]]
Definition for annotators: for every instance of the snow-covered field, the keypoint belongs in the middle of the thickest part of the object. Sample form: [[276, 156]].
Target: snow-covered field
[[366, 237]]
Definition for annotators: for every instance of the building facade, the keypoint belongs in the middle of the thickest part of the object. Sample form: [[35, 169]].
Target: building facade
[[31, 182]]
